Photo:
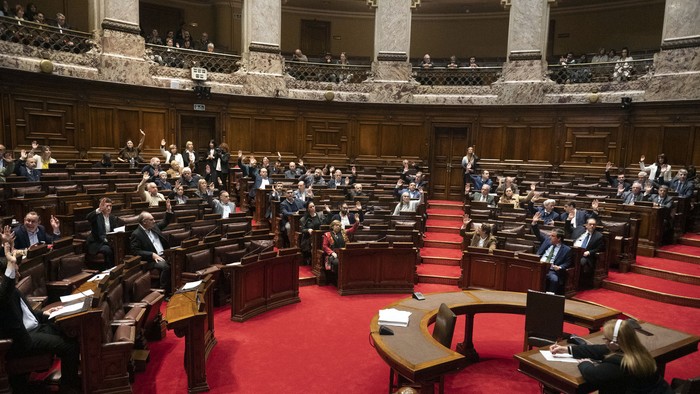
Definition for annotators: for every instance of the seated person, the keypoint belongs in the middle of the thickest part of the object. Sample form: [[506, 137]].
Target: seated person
[[162, 181], [661, 199], [152, 168], [175, 170], [407, 204], [189, 180], [412, 190], [43, 157], [547, 213], [504, 182], [261, 181], [682, 185], [453, 62], [148, 241], [7, 164], [295, 171], [344, 217], [356, 191], [221, 206], [102, 222], [171, 154], [130, 153], [588, 238], [483, 238], [482, 180], [578, 217], [336, 239], [105, 162], [288, 207], [314, 178], [621, 365], [32, 332], [631, 196], [659, 171], [426, 62], [339, 181], [148, 191], [31, 232], [302, 193], [617, 181], [510, 198], [484, 196], [553, 251], [27, 168], [178, 194]]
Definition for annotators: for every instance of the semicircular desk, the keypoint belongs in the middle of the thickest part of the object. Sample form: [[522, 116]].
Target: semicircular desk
[[413, 353]]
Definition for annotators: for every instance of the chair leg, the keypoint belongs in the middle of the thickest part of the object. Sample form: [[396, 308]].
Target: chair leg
[[441, 385], [391, 379]]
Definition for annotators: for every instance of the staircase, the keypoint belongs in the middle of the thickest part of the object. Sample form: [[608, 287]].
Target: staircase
[[672, 276], [442, 245]]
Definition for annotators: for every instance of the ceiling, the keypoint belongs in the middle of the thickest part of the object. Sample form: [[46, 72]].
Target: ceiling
[[428, 7]]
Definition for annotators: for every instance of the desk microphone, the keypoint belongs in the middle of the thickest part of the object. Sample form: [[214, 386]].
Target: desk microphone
[[384, 330]]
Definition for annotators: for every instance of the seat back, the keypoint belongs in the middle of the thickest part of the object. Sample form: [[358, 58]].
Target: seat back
[[544, 318], [199, 260], [444, 325]]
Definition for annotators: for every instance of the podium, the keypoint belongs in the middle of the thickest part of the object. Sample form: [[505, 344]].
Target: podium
[[190, 315]]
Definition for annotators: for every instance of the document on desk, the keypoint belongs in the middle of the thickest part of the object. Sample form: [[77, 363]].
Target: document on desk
[[565, 358], [191, 285], [394, 317], [77, 296]]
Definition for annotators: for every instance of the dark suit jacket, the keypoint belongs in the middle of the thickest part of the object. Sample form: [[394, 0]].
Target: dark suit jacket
[[614, 183], [98, 236], [351, 217], [289, 208], [582, 216], [686, 190], [11, 325], [140, 243], [655, 198], [31, 175], [476, 196], [563, 258], [22, 237], [225, 166], [256, 186], [595, 244]]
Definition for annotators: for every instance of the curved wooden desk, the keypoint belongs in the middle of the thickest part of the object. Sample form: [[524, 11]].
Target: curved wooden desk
[[413, 352]]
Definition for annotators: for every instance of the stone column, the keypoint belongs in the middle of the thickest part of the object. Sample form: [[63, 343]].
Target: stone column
[[527, 40], [392, 39], [677, 65], [123, 49], [262, 33]]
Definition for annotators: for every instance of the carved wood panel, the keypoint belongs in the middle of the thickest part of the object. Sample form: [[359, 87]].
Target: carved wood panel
[[49, 121], [589, 144], [326, 137]]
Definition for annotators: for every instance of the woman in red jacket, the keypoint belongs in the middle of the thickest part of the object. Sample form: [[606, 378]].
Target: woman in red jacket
[[336, 239]]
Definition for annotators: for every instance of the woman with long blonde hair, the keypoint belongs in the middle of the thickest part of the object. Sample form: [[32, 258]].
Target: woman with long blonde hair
[[621, 365], [336, 239]]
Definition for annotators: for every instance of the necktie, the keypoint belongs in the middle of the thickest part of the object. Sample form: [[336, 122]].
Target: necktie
[[680, 188], [550, 254], [585, 240]]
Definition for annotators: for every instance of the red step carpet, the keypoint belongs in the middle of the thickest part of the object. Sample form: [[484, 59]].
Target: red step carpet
[[669, 265], [656, 284]]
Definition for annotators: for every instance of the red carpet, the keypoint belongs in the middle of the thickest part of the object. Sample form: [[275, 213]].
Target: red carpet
[[305, 271], [692, 235], [678, 248], [443, 223], [445, 211], [441, 270], [656, 284], [438, 252], [433, 236], [669, 265]]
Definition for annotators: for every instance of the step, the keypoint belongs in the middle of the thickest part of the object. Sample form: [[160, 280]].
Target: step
[[436, 279], [442, 229], [654, 288], [306, 276], [439, 270], [685, 240], [677, 271], [444, 211], [689, 254], [428, 251], [444, 206], [440, 236], [444, 222], [446, 202], [441, 260], [442, 244], [456, 217]]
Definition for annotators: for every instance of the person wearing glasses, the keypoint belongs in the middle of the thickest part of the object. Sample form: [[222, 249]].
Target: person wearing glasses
[[621, 365]]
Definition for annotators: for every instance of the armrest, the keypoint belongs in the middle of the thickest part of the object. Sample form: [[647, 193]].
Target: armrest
[[117, 323], [135, 304]]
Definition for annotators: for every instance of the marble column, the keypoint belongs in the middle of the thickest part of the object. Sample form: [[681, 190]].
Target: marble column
[[392, 39], [262, 34], [677, 65], [123, 49], [527, 40]]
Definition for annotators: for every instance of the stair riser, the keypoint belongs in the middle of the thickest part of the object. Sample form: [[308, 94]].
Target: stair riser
[[441, 261], [456, 208], [678, 256], [440, 280], [310, 281], [693, 280], [652, 295], [456, 218], [442, 244], [690, 242], [443, 230]]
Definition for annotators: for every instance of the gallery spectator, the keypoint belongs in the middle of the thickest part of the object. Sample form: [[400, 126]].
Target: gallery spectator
[[298, 56], [130, 153], [426, 62], [623, 67], [600, 57]]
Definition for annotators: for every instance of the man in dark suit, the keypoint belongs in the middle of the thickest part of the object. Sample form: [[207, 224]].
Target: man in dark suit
[[27, 168], [484, 196], [631, 196], [682, 185], [587, 238], [31, 232], [102, 222], [148, 242], [577, 218], [615, 182], [31, 332], [289, 207], [547, 213], [261, 181], [662, 199], [344, 217], [554, 252]]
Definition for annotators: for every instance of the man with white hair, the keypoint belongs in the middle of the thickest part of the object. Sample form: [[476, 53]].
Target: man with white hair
[[633, 195], [547, 213], [148, 191], [148, 241], [484, 195], [152, 168], [189, 180]]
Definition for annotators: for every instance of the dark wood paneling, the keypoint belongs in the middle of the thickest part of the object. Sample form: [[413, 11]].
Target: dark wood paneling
[[101, 126], [672, 148]]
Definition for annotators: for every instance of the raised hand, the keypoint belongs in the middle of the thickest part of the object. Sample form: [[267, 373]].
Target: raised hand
[[594, 204], [467, 188], [7, 235], [177, 184], [347, 180], [162, 142], [466, 219], [608, 166], [642, 158], [357, 217], [142, 132], [146, 176], [536, 217], [103, 204], [279, 156], [648, 188], [240, 154], [55, 223], [211, 186], [23, 154], [358, 205], [168, 205], [326, 208], [35, 145], [620, 188], [533, 186], [301, 162]]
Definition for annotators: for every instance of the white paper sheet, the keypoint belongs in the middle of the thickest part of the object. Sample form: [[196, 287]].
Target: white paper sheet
[[67, 310], [77, 296], [566, 358], [191, 285]]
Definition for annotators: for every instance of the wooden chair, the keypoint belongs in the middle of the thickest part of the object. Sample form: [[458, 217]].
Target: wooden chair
[[442, 332], [544, 319]]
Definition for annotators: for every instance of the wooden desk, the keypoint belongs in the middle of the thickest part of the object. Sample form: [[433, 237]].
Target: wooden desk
[[502, 271], [373, 268], [413, 353], [190, 315], [665, 345]]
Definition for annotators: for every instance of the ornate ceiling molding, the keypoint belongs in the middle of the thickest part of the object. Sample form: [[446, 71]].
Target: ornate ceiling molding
[[375, 3]]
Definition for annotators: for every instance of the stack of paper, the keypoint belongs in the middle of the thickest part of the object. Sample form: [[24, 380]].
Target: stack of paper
[[394, 317]]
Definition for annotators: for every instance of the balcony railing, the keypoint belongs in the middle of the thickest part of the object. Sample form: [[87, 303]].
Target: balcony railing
[[322, 72], [44, 36], [600, 72], [463, 76], [187, 58]]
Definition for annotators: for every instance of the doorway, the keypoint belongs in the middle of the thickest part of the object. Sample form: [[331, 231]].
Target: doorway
[[199, 129], [449, 146], [315, 38]]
